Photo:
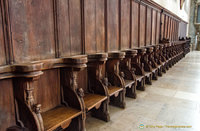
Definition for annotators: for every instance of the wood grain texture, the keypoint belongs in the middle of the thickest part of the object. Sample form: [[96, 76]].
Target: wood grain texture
[[100, 25], [2, 44], [148, 26], [75, 26], [142, 25], [47, 92], [112, 25], [125, 24], [32, 28], [166, 26], [58, 117], [69, 27], [153, 33], [7, 112], [63, 26], [94, 18], [135, 28], [158, 28], [90, 26], [162, 26]]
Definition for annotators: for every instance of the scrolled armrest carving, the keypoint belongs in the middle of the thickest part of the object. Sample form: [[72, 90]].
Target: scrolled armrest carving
[[122, 74], [80, 92]]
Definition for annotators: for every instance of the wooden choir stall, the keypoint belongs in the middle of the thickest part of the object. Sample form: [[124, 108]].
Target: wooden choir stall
[[62, 61]]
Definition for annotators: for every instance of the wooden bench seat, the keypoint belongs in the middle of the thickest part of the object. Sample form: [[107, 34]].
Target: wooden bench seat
[[59, 116], [147, 74], [139, 78], [129, 83], [92, 100], [113, 90], [154, 70]]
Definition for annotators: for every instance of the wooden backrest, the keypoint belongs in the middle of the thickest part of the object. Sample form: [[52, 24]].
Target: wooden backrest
[[7, 110], [48, 92]]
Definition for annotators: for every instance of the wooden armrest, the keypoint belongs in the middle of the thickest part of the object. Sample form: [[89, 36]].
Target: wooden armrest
[[59, 116]]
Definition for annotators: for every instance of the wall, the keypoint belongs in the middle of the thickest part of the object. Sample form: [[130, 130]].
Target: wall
[[174, 6]]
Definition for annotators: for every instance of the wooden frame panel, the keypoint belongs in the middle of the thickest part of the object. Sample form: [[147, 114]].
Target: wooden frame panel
[[135, 23], [2, 44], [32, 27], [125, 24], [112, 25], [148, 26], [153, 34], [158, 28], [142, 25]]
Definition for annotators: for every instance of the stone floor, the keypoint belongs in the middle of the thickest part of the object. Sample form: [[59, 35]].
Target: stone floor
[[172, 100]]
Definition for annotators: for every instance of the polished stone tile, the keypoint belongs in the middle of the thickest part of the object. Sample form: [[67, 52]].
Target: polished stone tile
[[173, 100]]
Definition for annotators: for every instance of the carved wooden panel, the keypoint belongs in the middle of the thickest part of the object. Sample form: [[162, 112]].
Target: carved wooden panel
[[47, 93], [32, 27], [125, 24], [142, 25], [135, 20], [153, 33], [112, 25], [2, 45], [158, 28], [94, 26], [7, 112], [69, 27], [148, 26]]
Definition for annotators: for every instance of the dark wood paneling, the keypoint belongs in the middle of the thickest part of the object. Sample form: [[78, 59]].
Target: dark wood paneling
[[83, 83], [2, 45], [7, 113], [32, 27], [94, 26], [153, 33], [47, 91], [158, 28], [142, 25], [135, 20], [75, 26], [63, 28], [112, 25], [100, 25], [166, 26], [162, 26], [148, 26], [125, 24], [90, 25], [169, 28]]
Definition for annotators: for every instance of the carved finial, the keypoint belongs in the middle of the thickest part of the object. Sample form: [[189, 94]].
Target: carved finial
[[37, 108], [133, 69], [122, 74], [80, 92], [105, 81]]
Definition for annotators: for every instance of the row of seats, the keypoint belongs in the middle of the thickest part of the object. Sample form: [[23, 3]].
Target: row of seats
[[48, 96]]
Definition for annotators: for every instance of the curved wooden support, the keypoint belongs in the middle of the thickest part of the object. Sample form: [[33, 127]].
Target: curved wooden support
[[25, 75], [97, 86], [138, 69]]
